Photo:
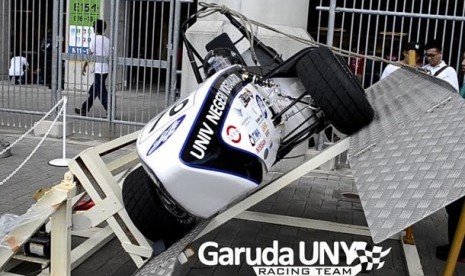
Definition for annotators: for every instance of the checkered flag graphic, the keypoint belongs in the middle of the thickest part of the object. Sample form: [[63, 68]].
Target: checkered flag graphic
[[369, 258]]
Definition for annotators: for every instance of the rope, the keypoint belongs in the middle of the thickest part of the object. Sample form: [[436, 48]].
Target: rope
[[30, 130], [38, 145], [211, 8]]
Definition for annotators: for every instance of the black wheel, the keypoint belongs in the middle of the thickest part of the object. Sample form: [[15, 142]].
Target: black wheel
[[148, 209], [335, 89]]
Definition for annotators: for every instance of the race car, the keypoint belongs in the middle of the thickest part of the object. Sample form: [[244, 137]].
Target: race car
[[216, 144]]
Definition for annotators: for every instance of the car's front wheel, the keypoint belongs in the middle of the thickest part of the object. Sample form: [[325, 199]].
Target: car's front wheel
[[148, 211]]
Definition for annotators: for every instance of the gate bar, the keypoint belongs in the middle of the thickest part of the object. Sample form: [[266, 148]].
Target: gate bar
[[401, 14]]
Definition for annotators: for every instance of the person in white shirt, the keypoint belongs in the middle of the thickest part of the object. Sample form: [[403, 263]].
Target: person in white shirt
[[99, 46], [18, 66], [405, 52], [437, 67]]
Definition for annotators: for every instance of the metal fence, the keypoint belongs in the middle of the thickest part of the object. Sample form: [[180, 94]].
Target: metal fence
[[54, 37], [145, 54], [381, 27]]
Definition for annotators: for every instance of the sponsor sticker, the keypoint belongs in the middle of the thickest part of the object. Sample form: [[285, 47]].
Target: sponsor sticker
[[246, 121], [256, 134], [252, 140], [260, 146], [265, 129], [166, 134], [261, 105], [245, 97], [238, 112], [234, 134]]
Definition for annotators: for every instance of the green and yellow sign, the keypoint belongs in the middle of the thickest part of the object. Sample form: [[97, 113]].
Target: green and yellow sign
[[84, 12], [82, 15]]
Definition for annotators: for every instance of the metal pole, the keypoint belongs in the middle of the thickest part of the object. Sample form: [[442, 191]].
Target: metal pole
[[169, 60], [408, 238], [55, 45], [65, 102], [60, 70], [400, 14], [456, 245], [114, 25], [174, 67], [331, 19], [62, 162]]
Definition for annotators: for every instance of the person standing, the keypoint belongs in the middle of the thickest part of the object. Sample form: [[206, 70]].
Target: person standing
[[453, 215], [437, 67], [99, 46], [18, 66], [461, 76], [417, 47], [356, 65], [453, 211]]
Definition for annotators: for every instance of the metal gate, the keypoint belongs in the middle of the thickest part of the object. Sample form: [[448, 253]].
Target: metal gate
[[379, 28], [54, 37], [145, 51]]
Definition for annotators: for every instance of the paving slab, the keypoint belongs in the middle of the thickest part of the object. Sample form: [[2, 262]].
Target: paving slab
[[315, 196]]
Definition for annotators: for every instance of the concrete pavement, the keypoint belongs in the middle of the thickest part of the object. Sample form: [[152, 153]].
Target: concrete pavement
[[318, 195]]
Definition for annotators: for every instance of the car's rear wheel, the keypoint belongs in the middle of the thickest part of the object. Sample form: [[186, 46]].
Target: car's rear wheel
[[335, 89], [145, 207]]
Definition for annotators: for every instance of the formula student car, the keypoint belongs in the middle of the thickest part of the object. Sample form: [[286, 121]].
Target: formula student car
[[216, 144]]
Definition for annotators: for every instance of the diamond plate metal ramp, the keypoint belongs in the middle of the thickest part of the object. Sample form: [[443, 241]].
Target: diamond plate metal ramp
[[164, 263], [410, 161]]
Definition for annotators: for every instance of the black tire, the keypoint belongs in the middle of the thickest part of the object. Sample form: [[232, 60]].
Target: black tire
[[335, 89], [146, 210]]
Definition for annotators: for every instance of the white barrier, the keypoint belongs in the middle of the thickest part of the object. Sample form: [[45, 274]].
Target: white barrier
[[63, 162]]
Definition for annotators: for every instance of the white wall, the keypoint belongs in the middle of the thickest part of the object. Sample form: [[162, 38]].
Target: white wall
[[290, 19]]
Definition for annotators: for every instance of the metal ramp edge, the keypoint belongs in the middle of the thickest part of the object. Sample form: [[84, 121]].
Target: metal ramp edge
[[410, 161]]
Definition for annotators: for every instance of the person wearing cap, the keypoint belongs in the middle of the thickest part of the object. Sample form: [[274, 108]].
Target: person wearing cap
[[437, 67], [405, 51]]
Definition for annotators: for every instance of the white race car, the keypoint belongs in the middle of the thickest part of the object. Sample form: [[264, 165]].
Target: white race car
[[216, 144]]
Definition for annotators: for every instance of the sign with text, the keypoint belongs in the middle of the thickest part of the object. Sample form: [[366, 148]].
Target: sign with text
[[82, 15]]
